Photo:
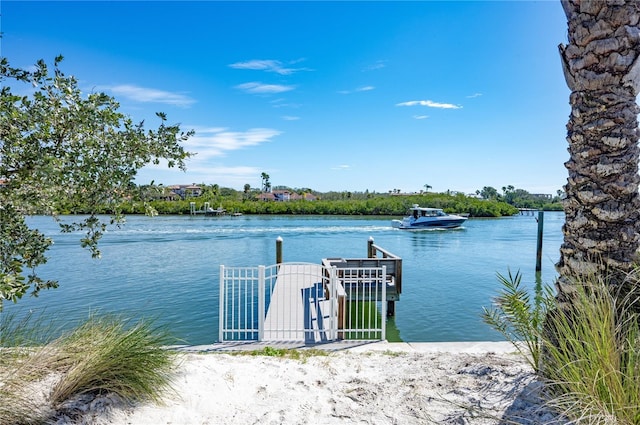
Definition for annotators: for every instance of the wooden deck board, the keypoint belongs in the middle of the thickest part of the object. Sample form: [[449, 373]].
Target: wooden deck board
[[286, 313]]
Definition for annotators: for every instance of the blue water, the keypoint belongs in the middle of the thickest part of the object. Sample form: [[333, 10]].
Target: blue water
[[167, 267]]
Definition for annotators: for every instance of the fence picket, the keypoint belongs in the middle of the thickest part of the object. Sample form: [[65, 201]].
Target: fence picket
[[313, 303]]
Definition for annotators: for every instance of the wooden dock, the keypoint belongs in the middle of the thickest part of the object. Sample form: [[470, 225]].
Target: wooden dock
[[298, 308], [342, 298]]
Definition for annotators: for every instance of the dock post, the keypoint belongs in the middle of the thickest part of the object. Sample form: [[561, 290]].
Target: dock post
[[370, 250], [540, 221], [279, 250], [391, 308]]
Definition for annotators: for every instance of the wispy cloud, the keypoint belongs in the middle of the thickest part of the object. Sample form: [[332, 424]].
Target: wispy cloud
[[430, 104], [343, 167], [421, 117], [282, 103], [269, 65], [214, 142], [474, 95], [290, 118], [255, 87], [377, 65], [359, 89], [149, 95]]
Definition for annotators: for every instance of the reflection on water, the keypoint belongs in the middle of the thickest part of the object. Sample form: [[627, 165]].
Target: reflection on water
[[167, 267]]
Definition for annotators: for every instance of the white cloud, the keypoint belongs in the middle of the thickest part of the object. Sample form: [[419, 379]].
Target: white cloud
[[430, 104], [281, 103], [145, 94], [359, 89], [377, 65], [290, 118], [474, 95], [268, 65], [421, 117], [214, 142], [260, 88], [342, 167]]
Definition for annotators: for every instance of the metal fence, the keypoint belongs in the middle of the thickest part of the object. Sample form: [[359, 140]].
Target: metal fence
[[302, 302]]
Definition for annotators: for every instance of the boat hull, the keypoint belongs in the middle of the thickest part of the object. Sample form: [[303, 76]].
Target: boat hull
[[428, 218], [450, 224]]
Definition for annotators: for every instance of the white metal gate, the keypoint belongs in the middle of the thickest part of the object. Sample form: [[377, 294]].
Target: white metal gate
[[302, 302]]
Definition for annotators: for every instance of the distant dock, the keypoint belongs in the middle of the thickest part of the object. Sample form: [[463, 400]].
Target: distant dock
[[527, 211], [206, 210]]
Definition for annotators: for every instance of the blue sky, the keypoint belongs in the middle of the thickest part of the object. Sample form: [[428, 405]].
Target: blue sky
[[325, 95]]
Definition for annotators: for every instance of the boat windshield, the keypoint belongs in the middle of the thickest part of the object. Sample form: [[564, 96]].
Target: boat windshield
[[426, 212]]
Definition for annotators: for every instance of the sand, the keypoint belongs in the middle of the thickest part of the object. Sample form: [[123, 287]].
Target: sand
[[463, 383]]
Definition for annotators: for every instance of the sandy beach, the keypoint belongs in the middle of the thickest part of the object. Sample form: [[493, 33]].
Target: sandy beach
[[382, 383]]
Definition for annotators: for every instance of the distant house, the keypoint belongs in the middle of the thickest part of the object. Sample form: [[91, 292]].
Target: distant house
[[3, 183], [266, 196], [542, 195], [166, 195], [281, 195], [309, 196], [285, 195], [186, 190]]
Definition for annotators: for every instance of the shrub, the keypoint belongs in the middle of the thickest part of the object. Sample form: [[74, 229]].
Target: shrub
[[103, 355], [587, 352]]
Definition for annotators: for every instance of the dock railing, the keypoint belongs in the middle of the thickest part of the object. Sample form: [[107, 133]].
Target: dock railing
[[342, 298], [391, 261], [302, 302]]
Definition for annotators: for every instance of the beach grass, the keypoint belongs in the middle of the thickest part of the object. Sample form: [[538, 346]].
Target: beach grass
[[587, 352], [106, 354], [287, 353]]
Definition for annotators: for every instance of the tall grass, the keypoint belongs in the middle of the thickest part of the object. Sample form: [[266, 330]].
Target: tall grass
[[592, 361], [21, 368], [104, 355], [25, 331], [587, 351]]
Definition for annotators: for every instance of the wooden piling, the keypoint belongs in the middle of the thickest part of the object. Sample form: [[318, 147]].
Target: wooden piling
[[539, 246], [279, 250]]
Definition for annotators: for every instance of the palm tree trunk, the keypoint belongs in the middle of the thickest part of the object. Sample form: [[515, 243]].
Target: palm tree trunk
[[602, 205]]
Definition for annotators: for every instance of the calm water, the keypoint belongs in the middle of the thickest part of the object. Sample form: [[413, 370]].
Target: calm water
[[167, 267]]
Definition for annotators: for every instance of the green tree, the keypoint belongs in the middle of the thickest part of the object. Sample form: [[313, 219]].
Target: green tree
[[60, 147], [246, 191], [266, 184], [602, 69], [489, 192]]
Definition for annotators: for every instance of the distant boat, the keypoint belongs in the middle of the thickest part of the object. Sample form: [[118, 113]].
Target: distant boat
[[421, 218]]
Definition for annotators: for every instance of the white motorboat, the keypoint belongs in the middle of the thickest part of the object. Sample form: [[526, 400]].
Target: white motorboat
[[421, 218]]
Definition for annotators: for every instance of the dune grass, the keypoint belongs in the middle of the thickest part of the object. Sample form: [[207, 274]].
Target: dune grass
[[104, 355], [587, 353]]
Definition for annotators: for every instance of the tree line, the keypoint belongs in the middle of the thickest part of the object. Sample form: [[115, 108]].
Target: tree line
[[331, 203]]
